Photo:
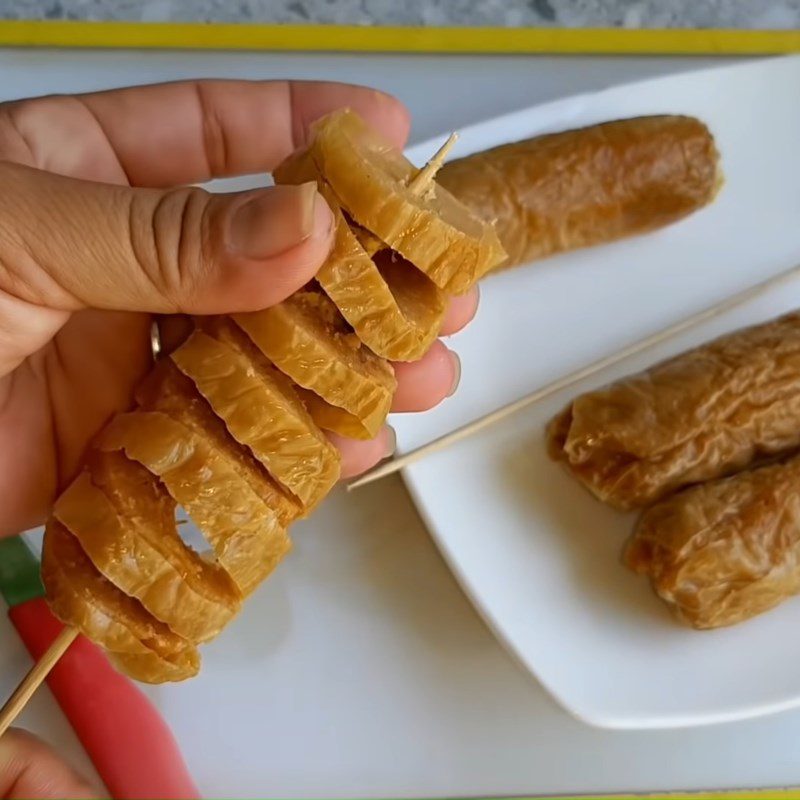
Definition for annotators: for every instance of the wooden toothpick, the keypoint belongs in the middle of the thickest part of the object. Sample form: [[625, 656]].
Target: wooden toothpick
[[423, 179], [559, 385], [34, 678], [418, 185]]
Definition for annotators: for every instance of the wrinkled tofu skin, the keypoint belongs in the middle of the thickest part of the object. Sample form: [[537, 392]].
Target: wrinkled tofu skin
[[170, 392], [260, 409], [125, 522], [245, 535], [704, 414], [395, 310], [724, 551], [307, 339], [144, 648], [432, 230], [583, 187]]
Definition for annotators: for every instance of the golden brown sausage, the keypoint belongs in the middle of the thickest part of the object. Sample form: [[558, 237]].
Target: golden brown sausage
[[704, 414], [584, 187], [726, 550]]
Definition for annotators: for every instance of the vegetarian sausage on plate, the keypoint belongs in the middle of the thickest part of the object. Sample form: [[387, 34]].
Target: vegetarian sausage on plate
[[588, 186], [726, 550], [704, 414]]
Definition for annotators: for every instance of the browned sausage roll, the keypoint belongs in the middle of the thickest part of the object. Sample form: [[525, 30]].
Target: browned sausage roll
[[704, 414], [584, 187], [726, 550]]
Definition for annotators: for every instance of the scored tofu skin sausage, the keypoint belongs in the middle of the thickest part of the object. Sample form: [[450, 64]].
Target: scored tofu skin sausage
[[230, 425]]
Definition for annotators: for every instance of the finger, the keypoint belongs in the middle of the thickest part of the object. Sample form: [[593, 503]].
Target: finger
[[425, 383], [359, 456], [29, 768], [68, 244], [190, 131], [460, 312], [24, 329]]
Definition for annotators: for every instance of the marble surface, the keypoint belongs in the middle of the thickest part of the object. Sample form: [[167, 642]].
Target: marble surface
[[762, 14]]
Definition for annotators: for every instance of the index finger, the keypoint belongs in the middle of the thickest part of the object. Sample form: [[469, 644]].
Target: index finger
[[192, 131]]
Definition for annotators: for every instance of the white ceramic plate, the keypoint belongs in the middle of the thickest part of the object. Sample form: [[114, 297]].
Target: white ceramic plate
[[537, 555]]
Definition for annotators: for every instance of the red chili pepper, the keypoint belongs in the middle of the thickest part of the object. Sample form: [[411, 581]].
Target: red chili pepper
[[130, 745]]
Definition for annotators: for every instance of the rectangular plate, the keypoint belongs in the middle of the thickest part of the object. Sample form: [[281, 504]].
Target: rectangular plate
[[537, 555]]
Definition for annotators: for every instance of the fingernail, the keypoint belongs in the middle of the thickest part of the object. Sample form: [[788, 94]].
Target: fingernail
[[476, 291], [456, 373], [274, 220], [391, 441]]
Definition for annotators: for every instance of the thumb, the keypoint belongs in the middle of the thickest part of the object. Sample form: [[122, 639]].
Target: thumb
[[68, 244], [29, 768]]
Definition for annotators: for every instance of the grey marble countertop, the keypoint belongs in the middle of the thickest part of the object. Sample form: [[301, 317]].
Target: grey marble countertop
[[763, 14]]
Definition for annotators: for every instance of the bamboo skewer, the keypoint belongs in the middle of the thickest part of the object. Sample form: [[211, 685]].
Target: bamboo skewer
[[581, 374], [31, 682]]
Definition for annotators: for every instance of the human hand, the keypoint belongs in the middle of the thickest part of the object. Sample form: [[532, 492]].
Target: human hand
[[30, 769], [94, 239]]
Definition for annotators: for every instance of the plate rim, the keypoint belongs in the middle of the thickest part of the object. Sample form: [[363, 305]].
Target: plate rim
[[620, 722], [588, 716]]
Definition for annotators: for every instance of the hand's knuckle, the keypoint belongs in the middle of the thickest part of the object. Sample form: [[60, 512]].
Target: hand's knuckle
[[213, 131], [169, 243]]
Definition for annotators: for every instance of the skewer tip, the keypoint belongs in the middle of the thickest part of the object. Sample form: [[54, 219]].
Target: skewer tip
[[426, 175], [376, 473]]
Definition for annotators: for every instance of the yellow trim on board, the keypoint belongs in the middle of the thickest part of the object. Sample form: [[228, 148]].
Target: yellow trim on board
[[356, 38]]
